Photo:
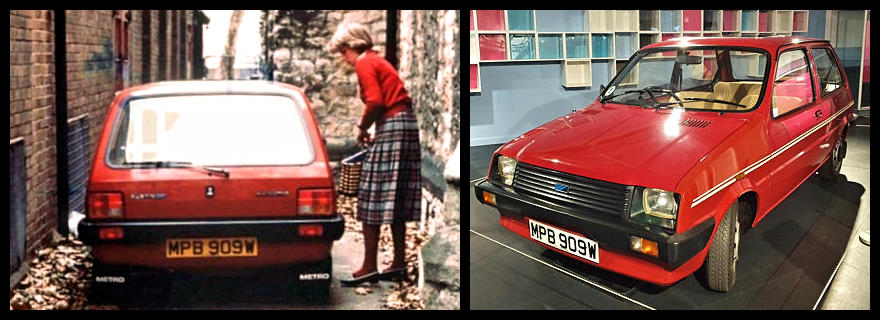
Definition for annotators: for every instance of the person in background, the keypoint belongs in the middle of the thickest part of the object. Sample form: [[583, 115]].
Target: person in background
[[390, 186]]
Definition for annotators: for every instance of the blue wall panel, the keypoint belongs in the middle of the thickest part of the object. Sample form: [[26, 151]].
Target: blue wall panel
[[560, 20], [516, 98], [816, 24]]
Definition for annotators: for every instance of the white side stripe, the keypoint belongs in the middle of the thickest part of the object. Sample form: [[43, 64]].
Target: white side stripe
[[709, 193]]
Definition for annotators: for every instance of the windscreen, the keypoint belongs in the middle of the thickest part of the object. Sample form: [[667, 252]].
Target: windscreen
[[234, 130], [698, 78]]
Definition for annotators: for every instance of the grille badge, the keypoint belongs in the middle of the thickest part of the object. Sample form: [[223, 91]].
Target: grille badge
[[561, 187]]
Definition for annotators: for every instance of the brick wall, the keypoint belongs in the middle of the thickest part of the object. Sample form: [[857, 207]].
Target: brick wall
[[90, 89], [31, 109], [90, 66]]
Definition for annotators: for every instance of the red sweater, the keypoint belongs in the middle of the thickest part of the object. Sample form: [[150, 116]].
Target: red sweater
[[382, 90]]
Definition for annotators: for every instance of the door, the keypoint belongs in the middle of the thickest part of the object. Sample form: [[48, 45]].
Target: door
[[78, 147], [794, 128], [121, 19], [17, 204], [832, 90]]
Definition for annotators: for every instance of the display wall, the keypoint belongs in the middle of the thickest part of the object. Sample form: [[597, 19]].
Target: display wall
[[531, 66]]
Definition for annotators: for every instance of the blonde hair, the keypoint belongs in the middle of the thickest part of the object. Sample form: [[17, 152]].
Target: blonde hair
[[352, 35]]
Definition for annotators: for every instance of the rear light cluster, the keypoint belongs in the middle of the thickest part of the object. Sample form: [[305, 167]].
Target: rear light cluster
[[315, 202], [106, 205]]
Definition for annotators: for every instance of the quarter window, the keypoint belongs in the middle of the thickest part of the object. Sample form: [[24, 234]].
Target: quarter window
[[829, 73], [793, 85]]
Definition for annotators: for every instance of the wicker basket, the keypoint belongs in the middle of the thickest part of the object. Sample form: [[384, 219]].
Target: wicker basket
[[351, 173]]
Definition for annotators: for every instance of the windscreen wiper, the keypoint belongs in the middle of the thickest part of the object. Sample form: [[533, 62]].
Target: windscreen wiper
[[606, 98], [715, 100], [698, 99], [184, 164]]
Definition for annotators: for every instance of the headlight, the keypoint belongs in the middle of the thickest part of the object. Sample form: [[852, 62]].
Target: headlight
[[506, 168], [654, 207], [659, 203]]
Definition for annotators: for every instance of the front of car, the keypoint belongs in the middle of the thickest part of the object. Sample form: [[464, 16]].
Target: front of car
[[212, 176], [601, 184]]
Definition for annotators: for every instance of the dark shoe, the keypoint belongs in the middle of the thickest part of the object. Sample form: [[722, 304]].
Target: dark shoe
[[372, 277], [393, 274]]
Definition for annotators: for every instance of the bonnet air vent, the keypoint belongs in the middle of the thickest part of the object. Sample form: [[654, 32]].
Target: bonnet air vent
[[695, 123]]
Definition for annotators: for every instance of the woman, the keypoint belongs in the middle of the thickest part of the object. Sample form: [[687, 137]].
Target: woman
[[390, 186]]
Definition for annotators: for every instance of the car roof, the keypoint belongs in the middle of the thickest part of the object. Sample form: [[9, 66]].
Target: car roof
[[770, 44], [209, 87]]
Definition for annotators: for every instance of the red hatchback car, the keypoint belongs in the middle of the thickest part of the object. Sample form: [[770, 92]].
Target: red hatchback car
[[695, 140], [211, 176]]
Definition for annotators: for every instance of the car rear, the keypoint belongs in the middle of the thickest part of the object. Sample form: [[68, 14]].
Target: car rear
[[222, 177]]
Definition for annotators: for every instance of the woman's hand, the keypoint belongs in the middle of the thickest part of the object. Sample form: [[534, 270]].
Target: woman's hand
[[363, 137]]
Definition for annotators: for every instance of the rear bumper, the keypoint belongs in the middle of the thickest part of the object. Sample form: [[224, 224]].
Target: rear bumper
[[278, 242], [679, 255], [267, 230]]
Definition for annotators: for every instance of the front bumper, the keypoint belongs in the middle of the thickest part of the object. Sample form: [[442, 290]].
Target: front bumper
[[679, 254]]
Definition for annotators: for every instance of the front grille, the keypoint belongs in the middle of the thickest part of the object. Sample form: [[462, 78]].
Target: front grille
[[601, 196]]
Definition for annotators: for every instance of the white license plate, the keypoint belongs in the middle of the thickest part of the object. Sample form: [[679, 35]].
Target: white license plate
[[572, 243]]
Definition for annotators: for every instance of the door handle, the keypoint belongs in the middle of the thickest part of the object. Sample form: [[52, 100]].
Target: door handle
[[818, 113]]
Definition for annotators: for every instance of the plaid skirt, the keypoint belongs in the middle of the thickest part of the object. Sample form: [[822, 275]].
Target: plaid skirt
[[390, 184]]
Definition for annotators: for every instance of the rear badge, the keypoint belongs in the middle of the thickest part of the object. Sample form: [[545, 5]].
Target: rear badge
[[273, 193], [209, 191], [148, 196], [314, 276]]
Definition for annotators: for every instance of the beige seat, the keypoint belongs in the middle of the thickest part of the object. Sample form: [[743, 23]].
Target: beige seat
[[736, 92]]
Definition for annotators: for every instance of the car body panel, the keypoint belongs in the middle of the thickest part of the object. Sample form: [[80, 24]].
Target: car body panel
[[738, 153], [194, 199]]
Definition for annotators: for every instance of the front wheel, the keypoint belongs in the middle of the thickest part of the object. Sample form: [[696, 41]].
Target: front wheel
[[720, 265]]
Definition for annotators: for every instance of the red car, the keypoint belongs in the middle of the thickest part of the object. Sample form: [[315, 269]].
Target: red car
[[695, 140], [211, 177]]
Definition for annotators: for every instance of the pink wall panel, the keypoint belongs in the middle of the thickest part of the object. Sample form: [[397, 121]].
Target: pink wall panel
[[763, 22], [490, 19], [471, 17], [693, 20], [729, 20], [492, 46], [475, 76], [866, 78]]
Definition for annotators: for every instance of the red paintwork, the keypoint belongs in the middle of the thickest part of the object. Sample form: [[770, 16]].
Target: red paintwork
[[185, 187], [634, 146]]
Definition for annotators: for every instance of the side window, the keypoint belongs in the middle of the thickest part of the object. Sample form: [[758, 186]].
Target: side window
[[793, 86], [826, 67]]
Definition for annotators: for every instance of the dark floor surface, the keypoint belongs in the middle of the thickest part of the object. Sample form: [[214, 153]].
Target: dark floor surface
[[785, 261]]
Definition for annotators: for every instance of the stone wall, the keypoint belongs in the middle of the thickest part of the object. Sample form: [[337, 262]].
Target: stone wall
[[303, 61], [429, 64]]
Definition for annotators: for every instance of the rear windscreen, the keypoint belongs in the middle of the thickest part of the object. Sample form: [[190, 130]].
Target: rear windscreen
[[235, 130]]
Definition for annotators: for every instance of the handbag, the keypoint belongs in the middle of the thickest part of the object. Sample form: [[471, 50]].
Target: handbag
[[351, 173]]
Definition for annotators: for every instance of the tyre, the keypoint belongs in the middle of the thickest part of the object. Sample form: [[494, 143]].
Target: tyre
[[830, 170], [720, 265]]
